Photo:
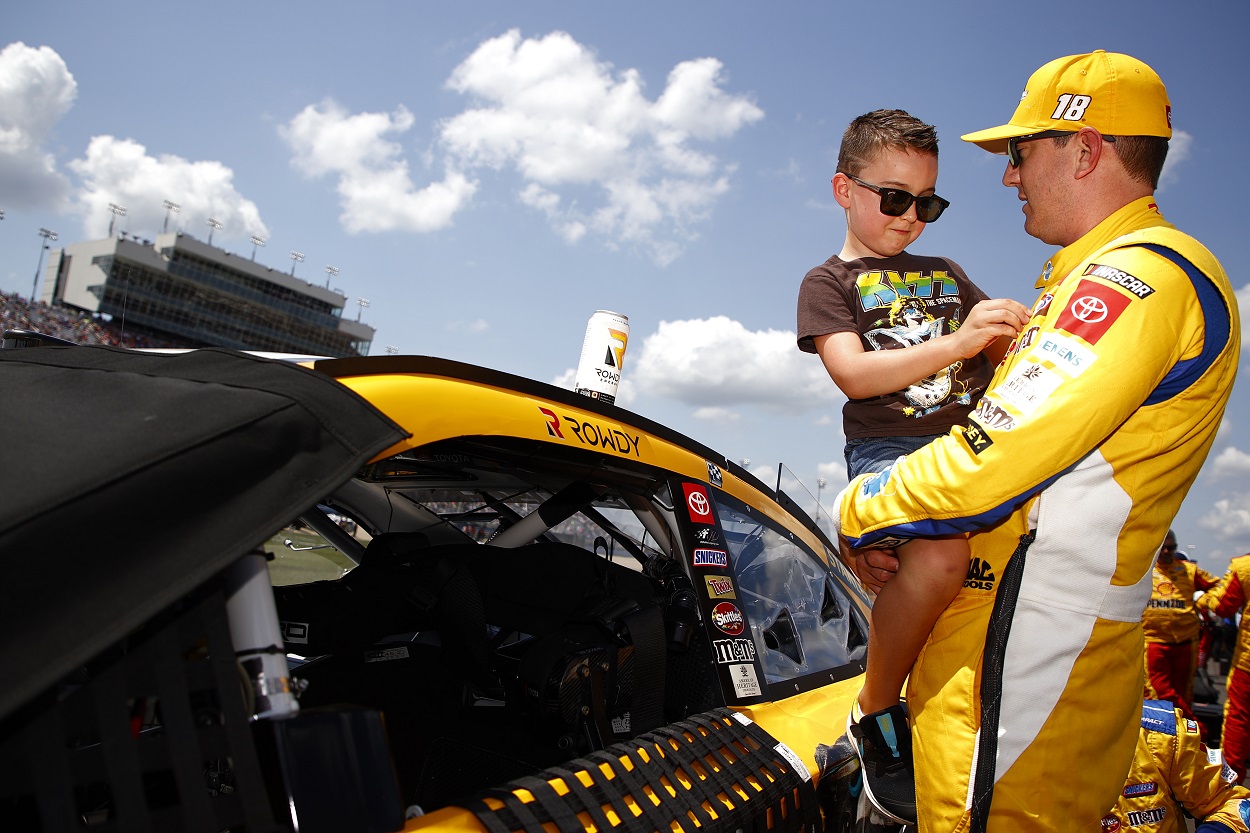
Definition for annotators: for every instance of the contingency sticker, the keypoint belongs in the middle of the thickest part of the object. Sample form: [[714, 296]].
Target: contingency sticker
[[1067, 354], [697, 503], [1091, 312], [714, 475], [794, 761], [387, 654], [746, 684], [728, 619], [294, 632], [1027, 387], [710, 558], [720, 587]]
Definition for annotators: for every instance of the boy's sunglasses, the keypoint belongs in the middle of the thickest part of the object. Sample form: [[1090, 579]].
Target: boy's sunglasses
[[1013, 144], [896, 201]]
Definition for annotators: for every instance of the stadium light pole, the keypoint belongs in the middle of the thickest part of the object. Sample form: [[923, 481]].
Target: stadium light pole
[[257, 240], [48, 236], [331, 273], [296, 257], [392, 350], [118, 211], [171, 207], [362, 303], [213, 225]]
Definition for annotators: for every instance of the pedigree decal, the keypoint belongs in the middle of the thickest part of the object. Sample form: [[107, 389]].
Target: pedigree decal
[[591, 433]]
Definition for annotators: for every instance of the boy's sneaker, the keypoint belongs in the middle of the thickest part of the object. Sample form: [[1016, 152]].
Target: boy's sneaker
[[882, 740]]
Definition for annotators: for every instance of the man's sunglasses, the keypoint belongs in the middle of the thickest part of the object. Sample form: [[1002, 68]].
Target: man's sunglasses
[[1013, 144], [896, 201]]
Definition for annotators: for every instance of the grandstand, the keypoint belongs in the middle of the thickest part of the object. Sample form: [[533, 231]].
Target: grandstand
[[181, 292]]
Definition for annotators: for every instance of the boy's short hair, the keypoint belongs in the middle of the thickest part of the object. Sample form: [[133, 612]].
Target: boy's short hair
[[871, 133]]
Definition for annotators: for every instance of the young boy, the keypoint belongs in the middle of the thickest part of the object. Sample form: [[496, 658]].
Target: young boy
[[857, 310]]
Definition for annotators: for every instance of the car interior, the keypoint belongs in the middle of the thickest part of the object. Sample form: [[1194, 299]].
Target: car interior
[[516, 607]]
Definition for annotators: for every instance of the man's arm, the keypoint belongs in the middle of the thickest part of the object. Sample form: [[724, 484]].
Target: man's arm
[[1060, 397], [1226, 598], [862, 374]]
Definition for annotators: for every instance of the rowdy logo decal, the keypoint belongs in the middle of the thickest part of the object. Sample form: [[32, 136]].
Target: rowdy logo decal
[[553, 423], [593, 434]]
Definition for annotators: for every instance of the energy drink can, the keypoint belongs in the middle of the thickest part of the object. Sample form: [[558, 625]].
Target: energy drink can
[[603, 353]]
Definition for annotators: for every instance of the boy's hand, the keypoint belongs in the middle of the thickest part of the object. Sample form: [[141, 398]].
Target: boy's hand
[[989, 321]]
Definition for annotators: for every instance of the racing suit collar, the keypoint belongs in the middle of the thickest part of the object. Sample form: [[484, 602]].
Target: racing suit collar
[[1139, 214]]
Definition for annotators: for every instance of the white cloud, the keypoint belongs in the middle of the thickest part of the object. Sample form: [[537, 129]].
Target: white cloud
[[715, 413], [1229, 517], [717, 362], [1243, 307], [834, 474], [121, 171], [36, 90], [1178, 151], [374, 185], [566, 121], [1231, 462], [478, 325]]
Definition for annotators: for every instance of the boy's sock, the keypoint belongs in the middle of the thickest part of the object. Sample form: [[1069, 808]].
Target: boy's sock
[[883, 742]]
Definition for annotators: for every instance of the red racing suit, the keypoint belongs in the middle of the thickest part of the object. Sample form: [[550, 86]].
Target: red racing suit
[[1172, 769], [1171, 625], [1228, 597], [1093, 429]]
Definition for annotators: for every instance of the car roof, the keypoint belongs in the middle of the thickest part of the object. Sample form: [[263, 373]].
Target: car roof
[[131, 478]]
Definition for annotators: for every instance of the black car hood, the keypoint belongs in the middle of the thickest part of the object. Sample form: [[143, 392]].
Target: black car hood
[[130, 478]]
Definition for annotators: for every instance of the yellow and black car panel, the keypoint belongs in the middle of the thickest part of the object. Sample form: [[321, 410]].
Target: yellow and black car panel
[[476, 401]]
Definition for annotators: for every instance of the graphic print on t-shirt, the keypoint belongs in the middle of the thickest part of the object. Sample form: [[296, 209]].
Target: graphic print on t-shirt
[[909, 323]]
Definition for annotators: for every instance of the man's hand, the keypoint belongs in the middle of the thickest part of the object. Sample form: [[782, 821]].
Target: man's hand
[[873, 566]]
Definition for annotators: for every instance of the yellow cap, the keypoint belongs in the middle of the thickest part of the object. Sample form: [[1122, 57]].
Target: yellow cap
[[1115, 94]]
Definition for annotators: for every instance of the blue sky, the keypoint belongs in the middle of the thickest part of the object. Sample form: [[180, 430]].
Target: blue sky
[[489, 174]]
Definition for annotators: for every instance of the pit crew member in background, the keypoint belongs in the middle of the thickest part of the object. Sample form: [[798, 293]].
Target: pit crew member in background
[[1174, 770], [1099, 432], [1229, 597], [1172, 624]]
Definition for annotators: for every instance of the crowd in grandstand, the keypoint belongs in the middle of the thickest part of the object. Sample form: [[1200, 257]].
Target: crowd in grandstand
[[18, 313]]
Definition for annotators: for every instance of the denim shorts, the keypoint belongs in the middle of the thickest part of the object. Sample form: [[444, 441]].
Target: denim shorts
[[874, 454]]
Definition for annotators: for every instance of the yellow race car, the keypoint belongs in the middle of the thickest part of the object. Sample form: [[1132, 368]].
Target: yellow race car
[[555, 614]]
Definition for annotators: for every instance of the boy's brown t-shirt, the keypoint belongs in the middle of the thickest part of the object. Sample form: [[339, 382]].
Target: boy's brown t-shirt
[[895, 303]]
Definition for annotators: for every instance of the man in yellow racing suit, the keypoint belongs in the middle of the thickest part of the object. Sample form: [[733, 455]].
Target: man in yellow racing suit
[[1229, 597], [1174, 770], [1078, 457]]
